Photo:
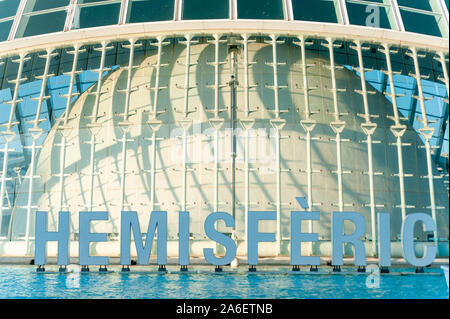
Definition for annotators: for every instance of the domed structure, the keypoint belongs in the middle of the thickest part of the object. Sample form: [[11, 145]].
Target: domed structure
[[124, 127], [242, 106]]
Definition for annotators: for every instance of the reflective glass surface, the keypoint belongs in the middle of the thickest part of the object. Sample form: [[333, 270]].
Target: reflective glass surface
[[41, 23], [39, 5], [416, 4], [8, 8], [370, 15], [200, 9], [420, 23], [4, 29], [150, 10], [262, 9], [95, 16], [322, 10]]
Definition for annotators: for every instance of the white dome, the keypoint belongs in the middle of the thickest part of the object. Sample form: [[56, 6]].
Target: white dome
[[200, 181]]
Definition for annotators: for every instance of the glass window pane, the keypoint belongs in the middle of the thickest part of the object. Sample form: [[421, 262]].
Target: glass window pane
[[261, 9], [96, 16], [5, 27], [416, 4], [41, 23], [201, 9], [369, 15], [150, 10], [420, 23], [322, 11], [8, 8], [38, 5]]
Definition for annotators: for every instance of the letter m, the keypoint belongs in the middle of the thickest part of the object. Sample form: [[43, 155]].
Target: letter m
[[130, 222]]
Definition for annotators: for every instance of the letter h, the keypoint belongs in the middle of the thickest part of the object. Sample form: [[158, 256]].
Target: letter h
[[42, 236]]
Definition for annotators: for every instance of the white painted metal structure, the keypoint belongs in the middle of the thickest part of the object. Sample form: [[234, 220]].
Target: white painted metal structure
[[152, 133]]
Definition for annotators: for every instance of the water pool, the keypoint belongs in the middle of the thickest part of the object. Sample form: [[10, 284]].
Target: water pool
[[202, 283]]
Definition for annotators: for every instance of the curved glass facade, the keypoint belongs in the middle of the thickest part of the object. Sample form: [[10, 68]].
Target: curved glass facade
[[26, 18]]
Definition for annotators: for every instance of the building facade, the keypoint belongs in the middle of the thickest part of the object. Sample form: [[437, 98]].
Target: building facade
[[228, 105]]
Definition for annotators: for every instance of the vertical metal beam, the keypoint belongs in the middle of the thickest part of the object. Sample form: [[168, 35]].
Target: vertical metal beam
[[49, 107], [441, 58], [128, 90], [42, 96], [308, 125], [276, 87], [3, 190], [63, 128], [343, 10], [104, 47], [92, 173], [178, 9], [185, 125], [287, 9], [216, 170], [15, 101], [155, 126], [233, 10], [8, 134], [278, 125], [21, 129], [245, 42], [368, 128], [216, 65], [124, 11], [123, 173], [188, 65], [153, 111], [247, 123], [412, 115], [61, 174], [337, 125], [278, 183], [153, 172], [184, 170], [31, 177], [73, 79], [427, 133], [17, 19], [71, 9], [397, 129], [397, 15], [444, 11], [233, 84], [94, 126]]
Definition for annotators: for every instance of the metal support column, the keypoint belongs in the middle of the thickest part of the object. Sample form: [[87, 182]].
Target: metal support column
[[308, 125], [368, 128], [337, 125], [8, 134], [427, 133], [397, 129], [158, 87]]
